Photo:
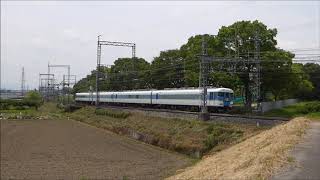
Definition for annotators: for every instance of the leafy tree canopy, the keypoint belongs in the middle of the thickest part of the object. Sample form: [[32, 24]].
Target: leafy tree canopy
[[180, 67]]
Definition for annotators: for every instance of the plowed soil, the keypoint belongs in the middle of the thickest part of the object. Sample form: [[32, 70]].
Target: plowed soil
[[66, 149]]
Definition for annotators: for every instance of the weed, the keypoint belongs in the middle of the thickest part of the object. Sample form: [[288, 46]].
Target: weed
[[220, 134], [114, 114], [300, 109], [290, 159]]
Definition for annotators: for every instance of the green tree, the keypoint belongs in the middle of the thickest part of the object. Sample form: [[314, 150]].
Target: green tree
[[180, 67], [90, 81], [167, 70], [277, 73], [33, 98], [190, 53], [239, 38], [313, 70], [128, 73], [300, 84]]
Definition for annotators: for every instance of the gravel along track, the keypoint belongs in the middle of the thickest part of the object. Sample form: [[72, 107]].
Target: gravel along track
[[66, 149]]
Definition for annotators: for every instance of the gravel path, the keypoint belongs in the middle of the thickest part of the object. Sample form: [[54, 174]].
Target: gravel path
[[53, 149], [306, 156]]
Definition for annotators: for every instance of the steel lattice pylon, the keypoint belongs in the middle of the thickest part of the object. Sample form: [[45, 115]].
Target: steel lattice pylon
[[109, 43]]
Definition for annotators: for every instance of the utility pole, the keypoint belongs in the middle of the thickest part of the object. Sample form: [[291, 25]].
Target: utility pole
[[64, 84], [258, 69], [48, 83], [68, 85], [184, 73], [22, 82], [98, 70], [203, 115]]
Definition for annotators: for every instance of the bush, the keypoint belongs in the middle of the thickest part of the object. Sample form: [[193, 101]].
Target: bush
[[220, 134], [6, 104], [114, 114], [309, 107], [33, 98], [71, 107]]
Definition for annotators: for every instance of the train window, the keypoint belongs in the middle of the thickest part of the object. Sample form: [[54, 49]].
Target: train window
[[116, 96], [157, 96], [137, 96], [220, 94], [227, 95], [211, 96], [231, 96]]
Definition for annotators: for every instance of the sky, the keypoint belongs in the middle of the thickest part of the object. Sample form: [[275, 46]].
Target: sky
[[34, 34]]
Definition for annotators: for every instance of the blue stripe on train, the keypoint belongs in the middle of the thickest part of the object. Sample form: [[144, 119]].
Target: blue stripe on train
[[226, 103]]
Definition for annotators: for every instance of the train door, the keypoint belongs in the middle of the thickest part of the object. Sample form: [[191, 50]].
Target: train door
[[211, 98], [157, 97], [226, 101]]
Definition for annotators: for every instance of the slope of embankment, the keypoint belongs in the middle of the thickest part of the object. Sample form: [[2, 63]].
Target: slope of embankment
[[255, 158]]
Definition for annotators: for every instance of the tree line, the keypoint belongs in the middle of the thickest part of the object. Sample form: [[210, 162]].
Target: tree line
[[178, 68]]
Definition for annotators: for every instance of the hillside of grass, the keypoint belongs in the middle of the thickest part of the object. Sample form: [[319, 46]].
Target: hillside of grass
[[191, 137], [310, 109], [257, 157]]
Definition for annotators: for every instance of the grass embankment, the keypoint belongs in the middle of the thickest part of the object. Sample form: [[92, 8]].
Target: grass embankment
[[255, 158], [191, 137], [308, 109]]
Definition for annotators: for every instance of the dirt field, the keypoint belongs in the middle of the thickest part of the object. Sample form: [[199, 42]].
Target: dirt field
[[53, 149]]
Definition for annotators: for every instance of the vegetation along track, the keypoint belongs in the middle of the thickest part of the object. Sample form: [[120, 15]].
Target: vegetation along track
[[262, 120]]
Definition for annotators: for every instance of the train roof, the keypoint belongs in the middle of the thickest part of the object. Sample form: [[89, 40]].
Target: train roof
[[183, 91]]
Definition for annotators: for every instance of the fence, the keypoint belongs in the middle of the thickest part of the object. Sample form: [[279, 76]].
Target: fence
[[267, 106]]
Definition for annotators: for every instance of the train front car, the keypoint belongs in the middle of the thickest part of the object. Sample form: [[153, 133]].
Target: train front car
[[219, 99], [82, 97]]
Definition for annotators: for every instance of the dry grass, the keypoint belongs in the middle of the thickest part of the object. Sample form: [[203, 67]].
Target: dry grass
[[255, 158], [190, 137]]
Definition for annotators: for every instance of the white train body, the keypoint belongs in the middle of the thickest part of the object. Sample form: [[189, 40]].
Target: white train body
[[216, 97]]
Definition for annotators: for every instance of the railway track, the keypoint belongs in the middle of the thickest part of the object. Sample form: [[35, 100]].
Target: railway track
[[212, 115]]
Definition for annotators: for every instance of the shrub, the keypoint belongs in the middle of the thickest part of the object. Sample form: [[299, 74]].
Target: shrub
[[33, 98], [309, 107], [220, 133], [68, 107], [114, 114], [6, 104]]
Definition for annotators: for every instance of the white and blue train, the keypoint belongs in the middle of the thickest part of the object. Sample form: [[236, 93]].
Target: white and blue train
[[186, 99]]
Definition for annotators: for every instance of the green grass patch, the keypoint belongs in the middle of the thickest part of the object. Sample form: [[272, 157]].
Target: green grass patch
[[314, 116], [112, 113], [308, 109], [46, 111], [221, 134]]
